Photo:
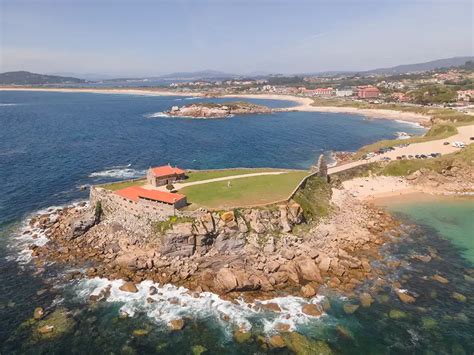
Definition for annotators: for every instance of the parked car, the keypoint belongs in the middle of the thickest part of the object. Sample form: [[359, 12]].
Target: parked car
[[458, 144]]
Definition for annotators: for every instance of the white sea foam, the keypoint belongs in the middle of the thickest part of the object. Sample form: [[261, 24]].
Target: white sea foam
[[124, 173], [8, 104], [192, 98], [171, 302], [28, 235], [416, 124], [157, 114]]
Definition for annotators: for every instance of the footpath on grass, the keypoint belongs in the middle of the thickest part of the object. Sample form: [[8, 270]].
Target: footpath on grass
[[179, 186]]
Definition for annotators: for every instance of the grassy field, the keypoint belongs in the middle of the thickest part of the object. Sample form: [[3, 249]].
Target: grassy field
[[251, 191], [114, 186], [200, 175]]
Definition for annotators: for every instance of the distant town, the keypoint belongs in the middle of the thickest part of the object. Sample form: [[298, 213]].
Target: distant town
[[451, 85], [439, 87]]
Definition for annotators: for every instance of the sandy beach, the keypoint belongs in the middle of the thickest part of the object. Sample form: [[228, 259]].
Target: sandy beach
[[367, 189], [306, 104], [303, 103]]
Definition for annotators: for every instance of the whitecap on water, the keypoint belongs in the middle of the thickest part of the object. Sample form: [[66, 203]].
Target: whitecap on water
[[123, 173], [171, 302]]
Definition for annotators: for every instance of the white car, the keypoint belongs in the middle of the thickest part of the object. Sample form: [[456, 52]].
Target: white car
[[459, 144]]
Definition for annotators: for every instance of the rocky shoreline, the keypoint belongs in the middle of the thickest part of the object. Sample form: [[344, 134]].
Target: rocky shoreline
[[233, 255], [213, 110]]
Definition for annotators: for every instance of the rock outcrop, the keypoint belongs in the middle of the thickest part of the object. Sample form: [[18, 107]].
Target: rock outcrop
[[212, 110]]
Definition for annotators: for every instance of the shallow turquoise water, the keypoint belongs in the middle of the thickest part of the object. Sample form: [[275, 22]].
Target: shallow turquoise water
[[453, 219]]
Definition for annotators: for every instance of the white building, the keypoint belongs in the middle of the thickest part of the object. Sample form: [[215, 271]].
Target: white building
[[344, 92]]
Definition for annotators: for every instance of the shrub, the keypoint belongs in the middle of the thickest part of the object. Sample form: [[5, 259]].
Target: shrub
[[98, 210], [169, 187]]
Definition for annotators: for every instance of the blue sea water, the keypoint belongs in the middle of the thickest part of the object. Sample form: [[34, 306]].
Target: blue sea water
[[53, 143]]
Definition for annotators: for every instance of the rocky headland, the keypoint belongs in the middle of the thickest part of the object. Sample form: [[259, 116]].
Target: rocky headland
[[250, 253], [214, 110]]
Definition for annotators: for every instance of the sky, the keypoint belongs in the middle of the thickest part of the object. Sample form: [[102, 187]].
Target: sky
[[153, 37]]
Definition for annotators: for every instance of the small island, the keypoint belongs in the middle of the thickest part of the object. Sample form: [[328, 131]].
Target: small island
[[206, 110]]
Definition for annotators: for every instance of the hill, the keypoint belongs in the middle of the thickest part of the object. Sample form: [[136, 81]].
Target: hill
[[421, 67], [204, 74], [27, 78]]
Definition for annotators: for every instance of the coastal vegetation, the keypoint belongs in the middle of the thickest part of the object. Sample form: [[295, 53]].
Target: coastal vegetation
[[314, 198], [248, 191], [162, 226], [437, 131], [464, 157]]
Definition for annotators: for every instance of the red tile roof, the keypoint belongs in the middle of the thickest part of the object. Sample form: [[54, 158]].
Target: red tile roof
[[135, 192], [166, 170]]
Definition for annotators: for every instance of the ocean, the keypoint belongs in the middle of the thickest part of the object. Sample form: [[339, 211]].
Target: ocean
[[52, 144]]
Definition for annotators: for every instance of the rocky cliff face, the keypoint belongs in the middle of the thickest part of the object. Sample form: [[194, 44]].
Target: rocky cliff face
[[211, 110]]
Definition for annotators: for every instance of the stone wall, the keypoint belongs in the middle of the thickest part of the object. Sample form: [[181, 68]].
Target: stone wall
[[134, 216]]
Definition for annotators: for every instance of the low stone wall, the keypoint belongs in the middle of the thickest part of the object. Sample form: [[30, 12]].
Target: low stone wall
[[134, 216]]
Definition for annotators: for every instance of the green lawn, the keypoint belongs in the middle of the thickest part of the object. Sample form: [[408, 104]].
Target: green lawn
[[123, 184], [243, 192], [199, 175]]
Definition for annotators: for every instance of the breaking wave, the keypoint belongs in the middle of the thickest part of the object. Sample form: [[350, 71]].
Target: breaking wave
[[124, 173], [2, 104], [28, 235], [416, 124], [171, 302]]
